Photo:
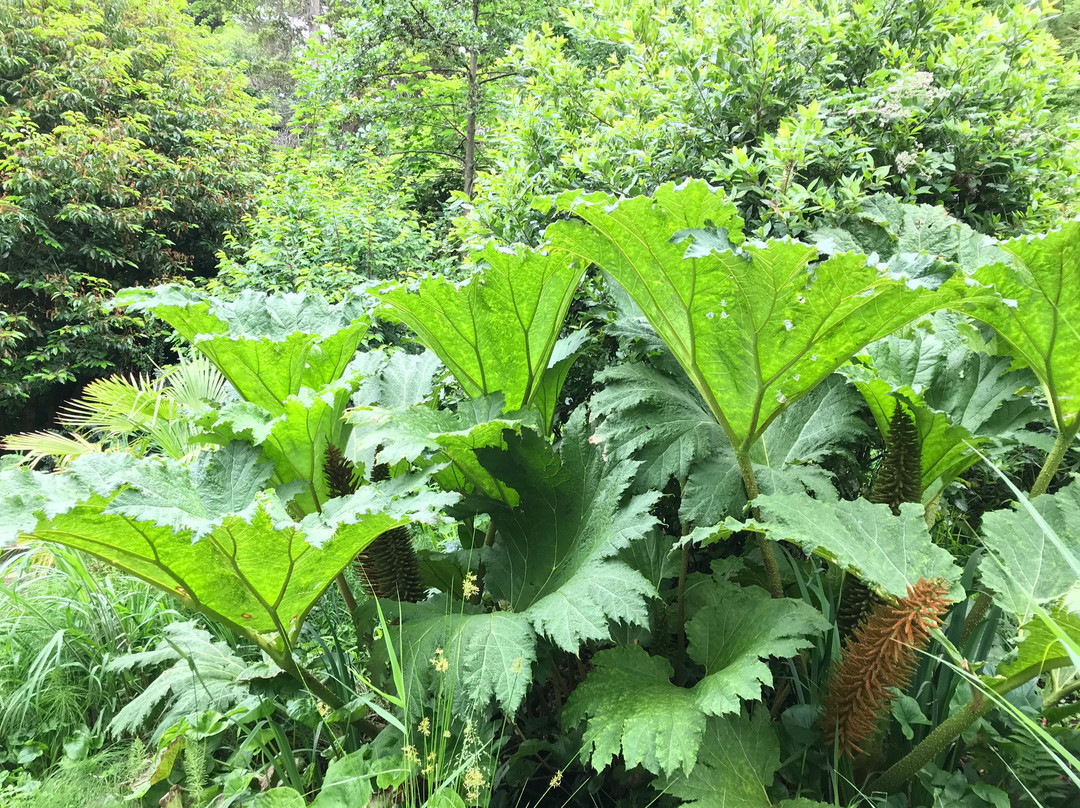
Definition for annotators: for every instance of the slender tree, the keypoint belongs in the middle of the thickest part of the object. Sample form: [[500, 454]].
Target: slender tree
[[415, 75]]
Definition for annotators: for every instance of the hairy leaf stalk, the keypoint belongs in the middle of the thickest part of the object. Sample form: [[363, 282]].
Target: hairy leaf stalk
[[951, 728], [765, 545], [881, 656], [1053, 460]]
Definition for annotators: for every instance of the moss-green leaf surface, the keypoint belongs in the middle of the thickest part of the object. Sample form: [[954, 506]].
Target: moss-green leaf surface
[[452, 438], [1040, 646], [737, 762], [552, 568], [295, 441]]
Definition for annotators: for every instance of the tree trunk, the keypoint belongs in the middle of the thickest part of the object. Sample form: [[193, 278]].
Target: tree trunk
[[469, 167]]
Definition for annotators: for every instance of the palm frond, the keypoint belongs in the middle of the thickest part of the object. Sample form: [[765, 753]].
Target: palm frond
[[46, 443], [118, 406], [192, 383]]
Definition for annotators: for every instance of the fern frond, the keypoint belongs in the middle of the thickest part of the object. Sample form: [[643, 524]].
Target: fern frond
[[881, 656], [1039, 778], [900, 477]]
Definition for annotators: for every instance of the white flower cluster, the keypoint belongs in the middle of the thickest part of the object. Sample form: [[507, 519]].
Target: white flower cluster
[[905, 160], [919, 85]]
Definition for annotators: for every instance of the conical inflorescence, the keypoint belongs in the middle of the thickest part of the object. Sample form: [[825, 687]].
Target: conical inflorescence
[[881, 656], [900, 477], [899, 480], [388, 567]]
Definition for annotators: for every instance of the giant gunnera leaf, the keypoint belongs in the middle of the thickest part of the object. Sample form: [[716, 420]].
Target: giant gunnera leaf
[[1040, 319], [211, 534], [1027, 566], [632, 706], [652, 414], [496, 331], [269, 347], [428, 435], [551, 569], [889, 552], [960, 398], [736, 765], [755, 327], [294, 441]]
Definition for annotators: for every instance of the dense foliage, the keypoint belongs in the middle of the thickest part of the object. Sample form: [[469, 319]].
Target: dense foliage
[[737, 469], [414, 77], [323, 226], [800, 108], [124, 158], [621, 586]]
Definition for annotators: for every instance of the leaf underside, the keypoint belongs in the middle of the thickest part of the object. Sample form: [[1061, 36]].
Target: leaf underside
[[754, 329], [214, 537], [497, 331]]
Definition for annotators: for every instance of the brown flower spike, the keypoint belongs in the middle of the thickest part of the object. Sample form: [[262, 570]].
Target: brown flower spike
[[881, 656]]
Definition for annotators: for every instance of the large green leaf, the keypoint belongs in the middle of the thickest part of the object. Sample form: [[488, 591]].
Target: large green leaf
[[1040, 319], [395, 377], [653, 415], [824, 423], [278, 797], [887, 551], [426, 434], [1040, 646], [756, 328], [1028, 567], [211, 535], [552, 567], [633, 707], [206, 675], [496, 331], [546, 397], [959, 397], [490, 656], [896, 231], [268, 346], [295, 441], [347, 782], [738, 759]]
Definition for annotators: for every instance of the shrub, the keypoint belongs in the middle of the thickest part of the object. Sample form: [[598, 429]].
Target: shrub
[[324, 227], [123, 159], [800, 108]]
